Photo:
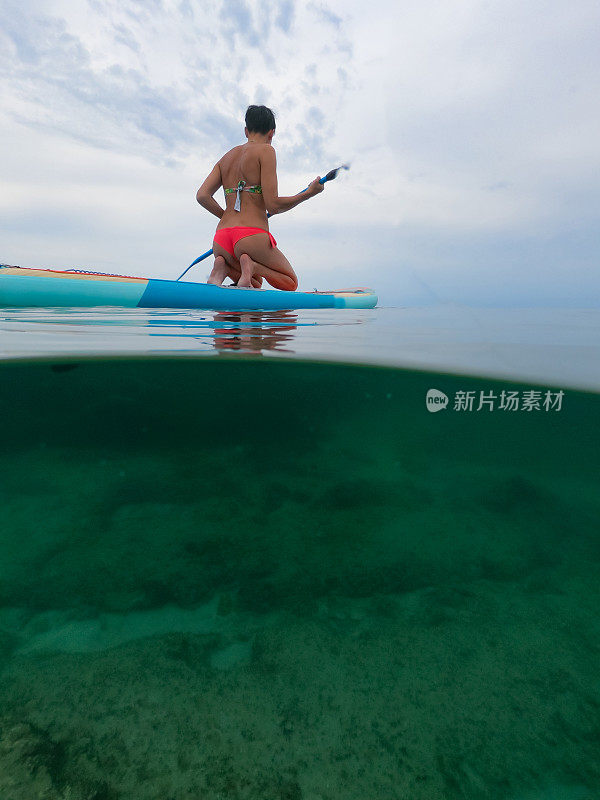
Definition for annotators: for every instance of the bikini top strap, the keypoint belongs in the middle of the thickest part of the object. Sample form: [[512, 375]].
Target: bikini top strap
[[241, 187]]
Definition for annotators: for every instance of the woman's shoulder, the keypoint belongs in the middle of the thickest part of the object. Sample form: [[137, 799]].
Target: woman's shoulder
[[265, 152], [231, 153]]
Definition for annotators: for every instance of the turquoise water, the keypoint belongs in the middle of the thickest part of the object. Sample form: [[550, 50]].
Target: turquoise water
[[233, 566]]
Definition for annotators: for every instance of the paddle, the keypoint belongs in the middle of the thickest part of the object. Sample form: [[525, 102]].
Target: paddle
[[329, 177]]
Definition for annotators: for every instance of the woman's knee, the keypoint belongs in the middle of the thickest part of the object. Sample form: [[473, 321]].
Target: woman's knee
[[287, 282]]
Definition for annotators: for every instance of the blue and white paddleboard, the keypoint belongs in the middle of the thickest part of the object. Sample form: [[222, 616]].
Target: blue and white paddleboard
[[41, 288]]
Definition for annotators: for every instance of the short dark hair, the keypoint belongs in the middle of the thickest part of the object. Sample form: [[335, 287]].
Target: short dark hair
[[260, 119]]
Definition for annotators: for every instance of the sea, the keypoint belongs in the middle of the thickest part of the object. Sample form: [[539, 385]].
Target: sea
[[301, 555]]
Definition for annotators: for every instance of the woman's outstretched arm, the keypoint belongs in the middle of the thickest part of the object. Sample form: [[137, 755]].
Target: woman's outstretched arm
[[268, 180]]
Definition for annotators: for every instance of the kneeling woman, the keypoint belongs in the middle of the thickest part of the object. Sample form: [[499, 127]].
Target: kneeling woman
[[244, 249]]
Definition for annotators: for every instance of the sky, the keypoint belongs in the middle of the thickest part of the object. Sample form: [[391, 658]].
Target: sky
[[471, 128]]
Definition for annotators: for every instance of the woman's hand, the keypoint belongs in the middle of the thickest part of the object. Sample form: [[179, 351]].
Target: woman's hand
[[315, 187]]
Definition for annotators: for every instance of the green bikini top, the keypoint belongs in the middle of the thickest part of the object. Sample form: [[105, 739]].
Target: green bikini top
[[241, 187]]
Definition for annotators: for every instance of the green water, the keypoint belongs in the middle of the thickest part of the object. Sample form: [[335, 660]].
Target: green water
[[274, 580]]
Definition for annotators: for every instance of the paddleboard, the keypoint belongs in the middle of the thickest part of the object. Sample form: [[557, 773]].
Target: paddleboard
[[23, 287]]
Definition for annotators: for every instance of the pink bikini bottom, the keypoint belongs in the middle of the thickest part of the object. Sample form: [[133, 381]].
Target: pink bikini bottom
[[228, 237]]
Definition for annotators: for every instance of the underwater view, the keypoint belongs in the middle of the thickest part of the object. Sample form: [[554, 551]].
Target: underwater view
[[239, 578]]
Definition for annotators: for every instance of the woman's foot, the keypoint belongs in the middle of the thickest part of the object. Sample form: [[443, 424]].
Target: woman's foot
[[247, 266], [256, 283], [219, 271]]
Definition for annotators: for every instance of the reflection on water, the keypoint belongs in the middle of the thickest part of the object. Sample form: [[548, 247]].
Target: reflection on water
[[548, 345], [43, 331], [247, 331]]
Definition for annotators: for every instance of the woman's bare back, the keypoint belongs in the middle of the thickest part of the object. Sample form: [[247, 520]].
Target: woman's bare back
[[243, 163]]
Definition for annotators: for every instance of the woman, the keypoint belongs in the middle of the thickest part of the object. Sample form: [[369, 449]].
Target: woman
[[244, 249]]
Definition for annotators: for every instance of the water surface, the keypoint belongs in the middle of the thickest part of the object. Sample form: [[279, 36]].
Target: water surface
[[561, 345]]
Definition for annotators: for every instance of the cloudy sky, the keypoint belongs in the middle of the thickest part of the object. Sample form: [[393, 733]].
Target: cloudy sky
[[471, 126]]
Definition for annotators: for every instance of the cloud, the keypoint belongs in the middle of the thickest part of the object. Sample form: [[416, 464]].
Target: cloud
[[325, 15], [154, 80], [463, 96], [123, 35], [285, 15], [237, 24]]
